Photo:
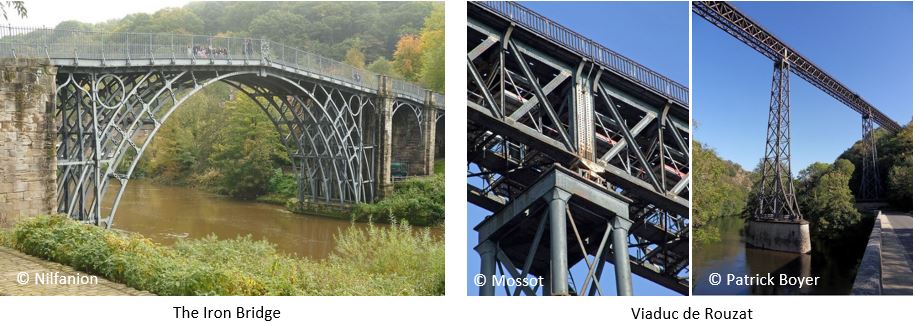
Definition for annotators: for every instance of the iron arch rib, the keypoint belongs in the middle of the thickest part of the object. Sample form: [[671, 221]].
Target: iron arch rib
[[104, 114]]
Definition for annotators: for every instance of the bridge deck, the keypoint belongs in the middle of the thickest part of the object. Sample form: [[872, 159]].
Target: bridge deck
[[77, 48], [896, 254]]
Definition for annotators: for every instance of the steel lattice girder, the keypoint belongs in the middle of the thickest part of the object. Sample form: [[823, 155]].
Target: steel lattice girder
[[524, 115], [326, 128], [728, 18], [775, 195]]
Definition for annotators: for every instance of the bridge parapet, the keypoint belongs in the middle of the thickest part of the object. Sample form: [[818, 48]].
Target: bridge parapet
[[867, 281], [76, 47]]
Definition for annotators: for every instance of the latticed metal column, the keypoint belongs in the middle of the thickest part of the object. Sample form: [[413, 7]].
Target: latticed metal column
[[775, 193], [870, 176]]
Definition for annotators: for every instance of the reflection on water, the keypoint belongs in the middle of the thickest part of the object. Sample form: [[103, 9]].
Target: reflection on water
[[834, 266], [167, 213]]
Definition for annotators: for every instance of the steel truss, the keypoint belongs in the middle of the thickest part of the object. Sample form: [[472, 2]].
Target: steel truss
[[533, 104], [105, 112], [775, 190]]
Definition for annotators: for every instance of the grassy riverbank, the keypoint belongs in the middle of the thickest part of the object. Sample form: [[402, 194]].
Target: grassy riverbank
[[382, 260], [419, 200]]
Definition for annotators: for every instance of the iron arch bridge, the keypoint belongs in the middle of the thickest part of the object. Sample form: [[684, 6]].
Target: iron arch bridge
[[115, 91]]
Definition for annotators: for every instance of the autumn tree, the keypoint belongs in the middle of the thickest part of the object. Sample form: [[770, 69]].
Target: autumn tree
[[408, 57]]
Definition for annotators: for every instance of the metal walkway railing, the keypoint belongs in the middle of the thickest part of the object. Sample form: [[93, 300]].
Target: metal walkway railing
[[618, 63], [58, 44]]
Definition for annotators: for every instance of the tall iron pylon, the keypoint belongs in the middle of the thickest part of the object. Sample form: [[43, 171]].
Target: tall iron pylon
[[775, 192], [870, 177]]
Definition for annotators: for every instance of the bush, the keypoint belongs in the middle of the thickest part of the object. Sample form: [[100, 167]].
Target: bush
[[282, 184], [396, 250], [242, 266], [419, 201]]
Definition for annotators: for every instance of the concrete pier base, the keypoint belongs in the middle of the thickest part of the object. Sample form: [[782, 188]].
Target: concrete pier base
[[780, 236]]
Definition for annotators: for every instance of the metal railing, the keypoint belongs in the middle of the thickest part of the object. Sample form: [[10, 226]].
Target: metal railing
[[588, 48], [153, 47]]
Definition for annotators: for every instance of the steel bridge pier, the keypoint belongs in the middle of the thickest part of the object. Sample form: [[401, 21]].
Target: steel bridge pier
[[580, 219], [870, 189], [777, 222]]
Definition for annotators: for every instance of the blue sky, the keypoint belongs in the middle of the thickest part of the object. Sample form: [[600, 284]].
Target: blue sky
[[655, 34], [865, 45]]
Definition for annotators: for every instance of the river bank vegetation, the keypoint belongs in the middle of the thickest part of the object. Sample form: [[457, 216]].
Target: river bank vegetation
[[825, 192], [393, 260], [419, 200]]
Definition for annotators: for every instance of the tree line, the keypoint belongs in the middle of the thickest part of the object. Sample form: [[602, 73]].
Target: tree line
[[825, 192], [400, 39]]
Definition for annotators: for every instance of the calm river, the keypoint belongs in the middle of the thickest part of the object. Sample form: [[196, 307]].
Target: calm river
[[835, 266], [167, 213]]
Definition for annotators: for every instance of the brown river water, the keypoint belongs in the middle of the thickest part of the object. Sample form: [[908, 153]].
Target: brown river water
[[167, 213]]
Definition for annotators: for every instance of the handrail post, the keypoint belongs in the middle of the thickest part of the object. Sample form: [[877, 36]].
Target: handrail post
[[127, 45], [149, 50]]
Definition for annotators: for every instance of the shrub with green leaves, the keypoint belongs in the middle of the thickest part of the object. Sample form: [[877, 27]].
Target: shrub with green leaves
[[380, 261], [419, 201]]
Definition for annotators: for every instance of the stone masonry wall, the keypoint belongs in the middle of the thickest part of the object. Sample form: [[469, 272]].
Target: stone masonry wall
[[28, 164], [407, 141]]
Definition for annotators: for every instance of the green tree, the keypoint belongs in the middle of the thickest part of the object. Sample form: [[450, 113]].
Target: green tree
[[281, 26], [180, 152], [900, 185], [720, 190], [17, 6], [168, 20], [826, 200], [894, 151], [899, 178], [354, 56], [382, 66], [433, 42], [248, 151]]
